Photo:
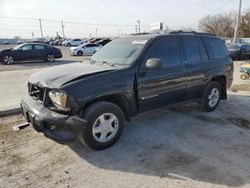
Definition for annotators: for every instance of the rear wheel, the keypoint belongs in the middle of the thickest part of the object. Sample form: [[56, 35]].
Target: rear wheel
[[105, 125], [50, 58], [8, 60], [212, 96]]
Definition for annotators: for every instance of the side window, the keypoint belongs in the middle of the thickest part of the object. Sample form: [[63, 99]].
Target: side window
[[203, 51], [76, 40], [192, 50], [39, 47], [216, 48], [167, 49], [27, 47]]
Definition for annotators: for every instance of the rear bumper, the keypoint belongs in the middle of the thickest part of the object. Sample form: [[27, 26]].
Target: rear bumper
[[61, 128]]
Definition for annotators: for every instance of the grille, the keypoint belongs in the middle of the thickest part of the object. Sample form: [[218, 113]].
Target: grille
[[37, 92]]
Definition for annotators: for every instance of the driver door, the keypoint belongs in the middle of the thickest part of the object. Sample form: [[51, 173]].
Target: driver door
[[25, 53], [167, 85]]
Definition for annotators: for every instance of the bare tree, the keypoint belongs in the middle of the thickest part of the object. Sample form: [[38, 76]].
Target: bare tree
[[221, 25]]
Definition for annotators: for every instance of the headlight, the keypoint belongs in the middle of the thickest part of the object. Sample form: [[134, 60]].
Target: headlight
[[59, 99]]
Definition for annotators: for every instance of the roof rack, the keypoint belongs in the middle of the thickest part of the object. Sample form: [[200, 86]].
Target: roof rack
[[190, 32]]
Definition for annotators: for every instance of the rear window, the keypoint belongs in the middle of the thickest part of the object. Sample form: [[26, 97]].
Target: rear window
[[216, 48], [39, 47]]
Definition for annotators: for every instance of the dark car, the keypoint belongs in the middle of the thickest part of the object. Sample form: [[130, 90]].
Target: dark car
[[245, 51], [103, 42], [238, 52], [91, 100], [94, 40], [30, 51]]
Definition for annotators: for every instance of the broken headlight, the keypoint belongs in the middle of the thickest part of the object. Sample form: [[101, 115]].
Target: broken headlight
[[59, 99]]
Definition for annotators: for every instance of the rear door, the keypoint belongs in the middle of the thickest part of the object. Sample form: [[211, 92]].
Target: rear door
[[165, 86], [195, 58], [40, 51]]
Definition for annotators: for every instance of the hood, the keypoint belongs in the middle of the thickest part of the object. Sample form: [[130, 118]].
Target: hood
[[58, 76], [6, 50], [73, 48]]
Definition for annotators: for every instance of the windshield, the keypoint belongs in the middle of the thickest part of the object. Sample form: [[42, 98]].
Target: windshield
[[122, 51], [232, 47], [17, 47]]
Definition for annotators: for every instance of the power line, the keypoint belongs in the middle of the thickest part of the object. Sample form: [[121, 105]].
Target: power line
[[70, 22]]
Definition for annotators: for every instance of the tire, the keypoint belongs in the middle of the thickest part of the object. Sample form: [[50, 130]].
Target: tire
[[50, 58], [98, 135], [68, 44], [212, 96], [8, 60], [79, 53]]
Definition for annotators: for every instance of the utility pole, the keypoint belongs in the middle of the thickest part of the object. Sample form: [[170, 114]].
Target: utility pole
[[139, 26], [135, 29], [96, 30], [63, 29], [237, 22], [41, 28], [32, 34]]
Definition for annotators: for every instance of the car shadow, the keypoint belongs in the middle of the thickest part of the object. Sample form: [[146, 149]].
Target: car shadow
[[181, 143]]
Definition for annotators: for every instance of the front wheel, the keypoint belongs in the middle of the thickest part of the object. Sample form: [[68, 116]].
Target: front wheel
[[8, 60], [105, 125], [212, 96], [79, 53]]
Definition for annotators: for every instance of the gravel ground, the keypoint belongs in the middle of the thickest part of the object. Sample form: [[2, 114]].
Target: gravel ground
[[171, 147], [177, 146]]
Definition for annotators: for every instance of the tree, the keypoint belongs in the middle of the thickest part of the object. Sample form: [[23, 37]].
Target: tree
[[223, 25]]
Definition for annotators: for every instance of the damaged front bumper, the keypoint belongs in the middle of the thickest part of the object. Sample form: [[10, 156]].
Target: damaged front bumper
[[61, 128]]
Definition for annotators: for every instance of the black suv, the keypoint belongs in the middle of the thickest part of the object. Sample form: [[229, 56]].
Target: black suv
[[91, 100]]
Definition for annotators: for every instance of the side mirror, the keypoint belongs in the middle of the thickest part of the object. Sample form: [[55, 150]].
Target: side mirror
[[152, 64]]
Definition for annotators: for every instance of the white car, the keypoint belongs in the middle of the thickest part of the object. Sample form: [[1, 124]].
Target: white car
[[84, 49], [73, 42]]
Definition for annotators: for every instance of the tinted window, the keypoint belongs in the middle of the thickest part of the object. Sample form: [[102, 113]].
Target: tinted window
[[76, 39], [203, 50], [166, 49], [27, 47], [39, 47], [216, 48], [191, 49]]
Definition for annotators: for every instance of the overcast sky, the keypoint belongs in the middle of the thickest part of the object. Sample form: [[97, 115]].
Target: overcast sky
[[120, 14]]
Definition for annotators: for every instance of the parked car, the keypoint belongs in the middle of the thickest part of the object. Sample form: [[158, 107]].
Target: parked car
[[245, 52], [30, 51], [130, 75], [238, 51], [73, 42], [6, 42], [94, 40], [84, 49], [103, 42]]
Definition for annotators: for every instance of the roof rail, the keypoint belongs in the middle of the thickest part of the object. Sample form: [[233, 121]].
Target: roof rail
[[190, 32]]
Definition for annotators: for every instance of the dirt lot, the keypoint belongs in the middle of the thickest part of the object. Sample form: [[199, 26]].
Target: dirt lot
[[171, 147]]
